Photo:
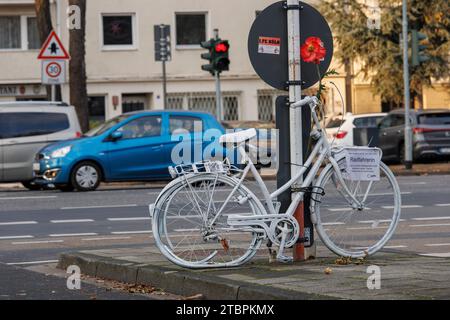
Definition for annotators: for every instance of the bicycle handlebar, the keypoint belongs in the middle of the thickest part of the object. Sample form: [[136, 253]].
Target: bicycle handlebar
[[305, 101]]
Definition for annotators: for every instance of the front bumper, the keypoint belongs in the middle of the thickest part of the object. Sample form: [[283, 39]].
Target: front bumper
[[50, 170]]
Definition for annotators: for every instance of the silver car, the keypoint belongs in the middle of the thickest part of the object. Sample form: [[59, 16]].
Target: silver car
[[25, 128]]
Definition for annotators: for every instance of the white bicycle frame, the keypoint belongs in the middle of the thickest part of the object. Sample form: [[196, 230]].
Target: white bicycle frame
[[322, 151]]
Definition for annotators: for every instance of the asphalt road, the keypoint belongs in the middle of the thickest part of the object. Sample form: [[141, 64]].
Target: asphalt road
[[35, 227]]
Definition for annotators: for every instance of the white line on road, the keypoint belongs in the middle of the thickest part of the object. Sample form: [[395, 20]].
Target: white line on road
[[367, 228], [437, 255], [404, 207], [16, 237], [129, 219], [100, 207], [416, 183], [437, 245], [333, 223], [431, 218], [72, 221], [442, 205], [31, 262], [17, 223], [106, 238], [37, 242], [73, 235], [430, 225], [395, 247], [131, 232], [27, 198]]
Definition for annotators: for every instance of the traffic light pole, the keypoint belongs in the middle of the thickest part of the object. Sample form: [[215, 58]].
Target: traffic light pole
[[218, 98], [164, 83], [295, 91], [408, 131]]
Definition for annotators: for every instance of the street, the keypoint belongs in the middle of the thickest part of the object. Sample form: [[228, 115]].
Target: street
[[35, 227]]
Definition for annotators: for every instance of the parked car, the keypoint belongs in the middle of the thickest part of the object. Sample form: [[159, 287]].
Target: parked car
[[431, 134], [134, 146], [340, 130], [26, 127]]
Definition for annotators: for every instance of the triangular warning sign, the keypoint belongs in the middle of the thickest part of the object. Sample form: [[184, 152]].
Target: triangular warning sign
[[53, 48]]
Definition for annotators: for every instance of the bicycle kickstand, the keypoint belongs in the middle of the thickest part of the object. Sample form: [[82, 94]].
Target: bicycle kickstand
[[280, 257]]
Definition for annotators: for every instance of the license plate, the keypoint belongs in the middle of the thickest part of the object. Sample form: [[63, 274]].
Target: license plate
[[445, 150], [36, 167]]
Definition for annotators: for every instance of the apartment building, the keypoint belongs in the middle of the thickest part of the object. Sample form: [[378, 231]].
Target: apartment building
[[123, 75]]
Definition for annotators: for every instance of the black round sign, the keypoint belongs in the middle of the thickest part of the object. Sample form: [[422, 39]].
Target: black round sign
[[268, 47]]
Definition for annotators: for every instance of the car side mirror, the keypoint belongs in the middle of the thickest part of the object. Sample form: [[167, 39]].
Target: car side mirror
[[116, 135]]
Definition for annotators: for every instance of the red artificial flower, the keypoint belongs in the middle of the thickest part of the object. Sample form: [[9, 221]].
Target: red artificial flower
[[313, 50]]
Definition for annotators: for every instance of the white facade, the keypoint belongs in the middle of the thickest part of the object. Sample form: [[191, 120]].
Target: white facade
[[128, 73]]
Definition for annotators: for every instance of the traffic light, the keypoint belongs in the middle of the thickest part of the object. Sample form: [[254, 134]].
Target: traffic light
[[221, 59], [210, 55], [217, 55], [418, 50]]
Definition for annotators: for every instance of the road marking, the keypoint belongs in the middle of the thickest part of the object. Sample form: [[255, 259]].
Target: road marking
[[72, 235], [416, 183], [129, 219], [31, 262], [437, 245], [333, 223], [72, 221], [431, 218], [131, 232], [380, 221], [395, 247], [186, 230], [442, 205], [367, 228], [17, 223], [16, 237], [339, 209], [27, 198], [106, 238], [37, 242], [404, 207], [429, 225], [437, 255], [100, 207]]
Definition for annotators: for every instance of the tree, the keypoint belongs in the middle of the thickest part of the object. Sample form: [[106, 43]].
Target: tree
[[379, 51], [44, 23], [77, 67]]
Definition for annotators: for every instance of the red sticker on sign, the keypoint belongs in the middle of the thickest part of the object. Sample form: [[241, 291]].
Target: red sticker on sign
[[269, 45]]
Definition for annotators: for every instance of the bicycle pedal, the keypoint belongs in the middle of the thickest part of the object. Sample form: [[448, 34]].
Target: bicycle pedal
[[285, 259]]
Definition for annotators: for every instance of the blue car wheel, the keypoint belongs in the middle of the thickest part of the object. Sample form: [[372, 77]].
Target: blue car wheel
[[86, 176]]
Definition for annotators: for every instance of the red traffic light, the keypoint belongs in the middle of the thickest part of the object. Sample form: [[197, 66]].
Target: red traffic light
[[221, 47]]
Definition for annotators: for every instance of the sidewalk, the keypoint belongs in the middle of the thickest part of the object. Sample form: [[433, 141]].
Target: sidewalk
[[403, 276]]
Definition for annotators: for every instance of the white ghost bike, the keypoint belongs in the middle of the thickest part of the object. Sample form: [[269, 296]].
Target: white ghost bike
[[207, 217]]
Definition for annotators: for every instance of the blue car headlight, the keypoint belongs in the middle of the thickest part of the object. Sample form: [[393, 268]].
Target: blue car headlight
[[61, 153]]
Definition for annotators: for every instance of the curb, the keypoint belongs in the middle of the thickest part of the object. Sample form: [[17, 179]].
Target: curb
[[176, 281]]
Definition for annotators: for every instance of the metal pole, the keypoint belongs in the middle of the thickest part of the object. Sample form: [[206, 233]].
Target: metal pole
[[295, 91], [218, 98], [53, 92], [164, 84], [408, 131]]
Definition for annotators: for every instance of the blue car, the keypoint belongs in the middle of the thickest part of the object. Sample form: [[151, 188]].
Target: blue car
[[137, 146]]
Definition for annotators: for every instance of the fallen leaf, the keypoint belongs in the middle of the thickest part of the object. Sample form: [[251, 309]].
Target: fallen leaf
[[328, 271]]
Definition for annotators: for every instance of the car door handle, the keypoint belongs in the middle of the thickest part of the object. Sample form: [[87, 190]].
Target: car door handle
[[384, 133], [157, 147]]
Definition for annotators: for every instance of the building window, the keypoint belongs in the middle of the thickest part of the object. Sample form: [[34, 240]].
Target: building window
[[206, 102], [119, 31], [10, 33], [19, 33], [134, 102], [34, 43], [190, 29], [97, 113]]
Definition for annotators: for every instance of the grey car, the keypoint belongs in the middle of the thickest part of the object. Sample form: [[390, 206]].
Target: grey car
[[25, 128], [431, 134]]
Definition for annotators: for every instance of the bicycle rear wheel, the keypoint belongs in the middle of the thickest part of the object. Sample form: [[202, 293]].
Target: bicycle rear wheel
[[354, 232], [183, 216]]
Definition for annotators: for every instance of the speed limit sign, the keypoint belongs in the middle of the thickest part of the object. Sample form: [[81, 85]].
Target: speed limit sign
[[53, 71]]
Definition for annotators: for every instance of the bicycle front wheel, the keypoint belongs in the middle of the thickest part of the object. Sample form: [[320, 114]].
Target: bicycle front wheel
[[356, 231], [190, 222]]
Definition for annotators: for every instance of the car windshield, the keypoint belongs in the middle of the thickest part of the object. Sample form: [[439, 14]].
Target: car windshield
[[106, 126], [435, 118]]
